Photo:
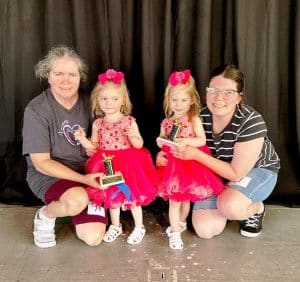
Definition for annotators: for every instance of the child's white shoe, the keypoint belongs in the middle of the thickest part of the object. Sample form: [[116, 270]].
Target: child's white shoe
[[182, 224], [112, 233], [175, 241], [136, 235]]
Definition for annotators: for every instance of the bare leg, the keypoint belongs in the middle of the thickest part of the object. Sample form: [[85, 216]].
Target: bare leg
[[137, 214], [115, 216], [236, 206], [91, 233], [177, 210], [174, 215], [139, 230], [184, 210], [71, 203]]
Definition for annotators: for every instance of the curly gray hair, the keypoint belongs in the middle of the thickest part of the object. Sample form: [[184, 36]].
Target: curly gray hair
[[44, 66]]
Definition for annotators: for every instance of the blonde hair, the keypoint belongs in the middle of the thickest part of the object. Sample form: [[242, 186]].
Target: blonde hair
[[190, 88], [125, 108]]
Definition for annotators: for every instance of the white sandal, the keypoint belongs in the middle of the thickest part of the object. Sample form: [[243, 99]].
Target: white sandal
[[136, 235], [112, 233], [175, 241], [182, 224]]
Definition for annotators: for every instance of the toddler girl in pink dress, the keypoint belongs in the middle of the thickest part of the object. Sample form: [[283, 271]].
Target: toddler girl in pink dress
[[182, 181], [116, 137]]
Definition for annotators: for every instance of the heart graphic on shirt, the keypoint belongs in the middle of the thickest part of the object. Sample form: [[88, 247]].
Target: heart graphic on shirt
[[68, 132]]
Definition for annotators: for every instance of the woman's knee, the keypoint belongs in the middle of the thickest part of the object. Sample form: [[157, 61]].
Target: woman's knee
[[91, 239], [75, 201], [233, 207], [204, 232], [93, 235], [208, 224]]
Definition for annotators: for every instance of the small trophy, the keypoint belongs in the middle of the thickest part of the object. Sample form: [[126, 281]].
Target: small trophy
[[169, 140], [111, 177]]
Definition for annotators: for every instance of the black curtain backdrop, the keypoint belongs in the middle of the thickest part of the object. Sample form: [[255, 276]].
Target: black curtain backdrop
[[147, 40]]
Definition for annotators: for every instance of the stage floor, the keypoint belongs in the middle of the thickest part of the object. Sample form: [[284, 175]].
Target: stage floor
[[273, 256]]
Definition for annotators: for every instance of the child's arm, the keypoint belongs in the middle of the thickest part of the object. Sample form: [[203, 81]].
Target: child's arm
[[134, 136], [85, 142], [198, 140]]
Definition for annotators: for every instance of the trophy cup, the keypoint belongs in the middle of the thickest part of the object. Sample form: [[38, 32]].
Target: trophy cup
[[111, 177], [169, 140]]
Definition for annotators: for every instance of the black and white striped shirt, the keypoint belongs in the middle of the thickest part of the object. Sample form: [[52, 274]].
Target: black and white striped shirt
[[246, 124]]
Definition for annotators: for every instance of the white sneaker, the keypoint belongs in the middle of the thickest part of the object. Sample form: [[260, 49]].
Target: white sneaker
[[44, 233]]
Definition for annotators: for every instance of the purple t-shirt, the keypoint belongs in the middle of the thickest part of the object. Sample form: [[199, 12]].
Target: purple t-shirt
[[49, 128]]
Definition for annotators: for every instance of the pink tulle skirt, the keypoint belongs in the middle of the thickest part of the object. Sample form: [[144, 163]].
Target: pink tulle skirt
[[139, 173], [187, 180]]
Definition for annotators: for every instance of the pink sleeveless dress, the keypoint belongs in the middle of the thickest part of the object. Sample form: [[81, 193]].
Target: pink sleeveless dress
[[136, 166], [186, 180]]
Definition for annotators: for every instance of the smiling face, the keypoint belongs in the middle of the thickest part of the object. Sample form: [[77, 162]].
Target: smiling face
[[180, 102], [64, 79], [219, 103], [111, 100]]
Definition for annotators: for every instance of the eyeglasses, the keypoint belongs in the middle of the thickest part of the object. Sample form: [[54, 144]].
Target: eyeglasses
[[225, 93]]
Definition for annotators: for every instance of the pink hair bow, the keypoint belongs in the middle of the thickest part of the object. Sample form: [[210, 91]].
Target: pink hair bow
[[115, 76], [179, 77]]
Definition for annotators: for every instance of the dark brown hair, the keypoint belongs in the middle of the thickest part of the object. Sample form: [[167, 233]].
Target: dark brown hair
[[230, 72], [233, 73]]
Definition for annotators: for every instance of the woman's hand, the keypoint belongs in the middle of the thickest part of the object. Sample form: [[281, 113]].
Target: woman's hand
[[182, 142], [93, 179], [161, 159], [184, 152]]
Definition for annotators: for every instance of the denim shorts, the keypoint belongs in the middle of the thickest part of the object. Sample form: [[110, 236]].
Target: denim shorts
[[257, 185]]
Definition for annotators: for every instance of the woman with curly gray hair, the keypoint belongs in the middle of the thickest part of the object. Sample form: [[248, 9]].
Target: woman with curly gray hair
[[55, 159]]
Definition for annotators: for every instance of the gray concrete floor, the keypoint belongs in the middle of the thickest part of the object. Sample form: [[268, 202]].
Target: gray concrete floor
[[273, 256]]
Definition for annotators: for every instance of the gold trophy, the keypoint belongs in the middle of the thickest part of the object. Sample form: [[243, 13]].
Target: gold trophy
[[111, 177], [169, 140]]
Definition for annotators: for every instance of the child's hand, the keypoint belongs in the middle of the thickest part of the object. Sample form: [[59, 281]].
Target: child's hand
[[159, 142], [134, 136], [161, 159], [132, 131], [90, 151], [79, 133]]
